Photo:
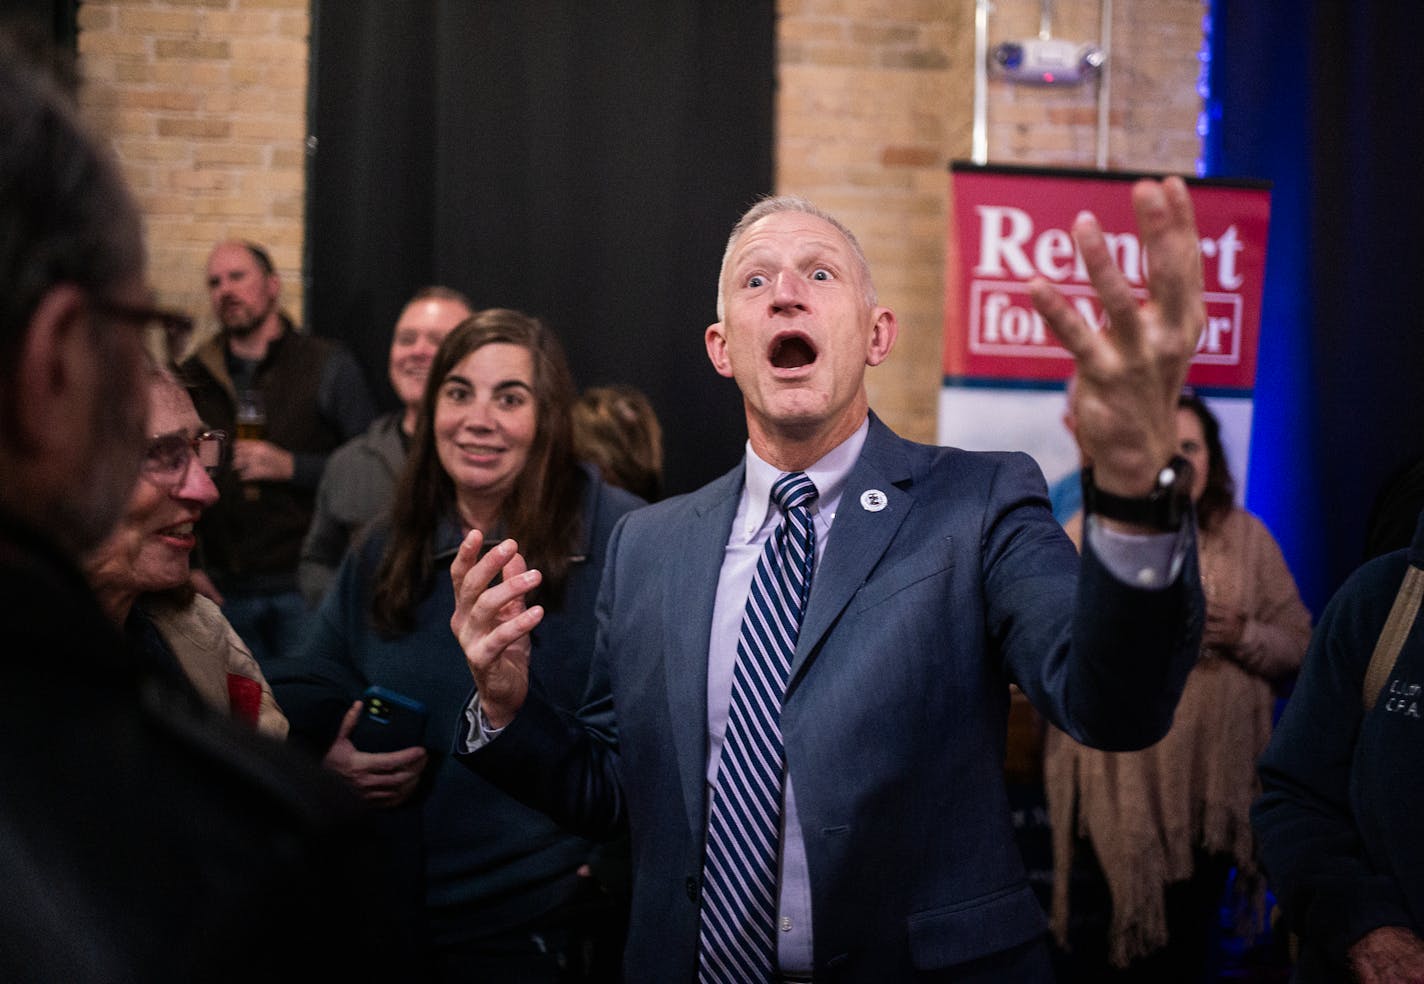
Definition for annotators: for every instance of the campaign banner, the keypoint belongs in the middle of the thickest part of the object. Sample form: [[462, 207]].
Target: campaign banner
[[1005, 373]]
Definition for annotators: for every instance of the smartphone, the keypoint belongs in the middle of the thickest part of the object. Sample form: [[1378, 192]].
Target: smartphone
[[389, 721]]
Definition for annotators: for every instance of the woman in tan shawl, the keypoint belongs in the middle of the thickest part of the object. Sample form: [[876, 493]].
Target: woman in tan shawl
[[1166, 825]]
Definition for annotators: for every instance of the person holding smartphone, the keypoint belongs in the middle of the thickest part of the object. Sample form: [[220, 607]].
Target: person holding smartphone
[[493, 888]]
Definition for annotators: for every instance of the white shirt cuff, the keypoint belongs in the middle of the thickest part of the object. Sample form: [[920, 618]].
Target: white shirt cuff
[[1143, 560], [478, 732]]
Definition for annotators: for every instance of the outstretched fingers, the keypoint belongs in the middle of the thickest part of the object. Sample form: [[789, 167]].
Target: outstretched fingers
[[496, 612], [472, 577], [1111, 284], [1166, 223], [484, 648], [1088, 347], [512, 573], [469, 567], [1075, 334], [1130, 373], [1167, 231]]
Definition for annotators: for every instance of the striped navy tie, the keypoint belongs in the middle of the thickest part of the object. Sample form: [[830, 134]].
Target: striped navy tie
[[739, 898]]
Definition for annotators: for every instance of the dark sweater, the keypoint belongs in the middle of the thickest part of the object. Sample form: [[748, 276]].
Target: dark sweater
[[1339, 818], [476, 861]]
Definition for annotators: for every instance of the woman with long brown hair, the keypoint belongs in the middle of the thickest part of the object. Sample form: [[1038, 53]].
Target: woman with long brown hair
[[492, 885]]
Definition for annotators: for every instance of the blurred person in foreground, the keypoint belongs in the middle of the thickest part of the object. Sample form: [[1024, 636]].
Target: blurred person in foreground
[[801, 679], [361, 475], [140, 572], [1341, 813], [143, 838], [616, 429], [1144, 841], [489, 889]]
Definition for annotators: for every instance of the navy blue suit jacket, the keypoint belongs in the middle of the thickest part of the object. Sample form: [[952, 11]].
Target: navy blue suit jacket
[[920, 616]]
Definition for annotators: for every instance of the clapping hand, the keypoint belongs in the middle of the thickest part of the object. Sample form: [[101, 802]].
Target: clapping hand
[[492, 623]]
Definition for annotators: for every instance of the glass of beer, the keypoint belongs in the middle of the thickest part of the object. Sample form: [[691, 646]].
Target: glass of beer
[[251, 426]]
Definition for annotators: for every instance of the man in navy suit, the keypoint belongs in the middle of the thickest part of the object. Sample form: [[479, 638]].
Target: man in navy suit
[[940, 577]]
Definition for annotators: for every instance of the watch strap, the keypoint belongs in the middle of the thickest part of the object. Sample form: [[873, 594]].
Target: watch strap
[[1164, 508]]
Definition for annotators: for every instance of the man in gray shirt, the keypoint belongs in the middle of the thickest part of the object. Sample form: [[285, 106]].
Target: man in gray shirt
[[361, 475]]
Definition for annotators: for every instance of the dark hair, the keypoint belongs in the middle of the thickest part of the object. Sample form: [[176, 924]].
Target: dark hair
[[1220, 493], [616, 428], [542, 511], [66, 215]]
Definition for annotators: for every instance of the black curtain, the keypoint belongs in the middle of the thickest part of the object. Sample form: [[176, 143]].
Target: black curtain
[[583, 162], [1367, 236], [1323, 98], [41, 22]]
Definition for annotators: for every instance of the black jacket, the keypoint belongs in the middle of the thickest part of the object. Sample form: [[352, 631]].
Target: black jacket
[[315, 399], [1338, 818], [144, 838]]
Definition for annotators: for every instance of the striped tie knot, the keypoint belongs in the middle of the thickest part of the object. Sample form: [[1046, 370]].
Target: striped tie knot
[[792, 490]]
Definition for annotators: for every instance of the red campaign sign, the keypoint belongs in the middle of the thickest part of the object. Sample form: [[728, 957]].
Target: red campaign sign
[[1009, 225]]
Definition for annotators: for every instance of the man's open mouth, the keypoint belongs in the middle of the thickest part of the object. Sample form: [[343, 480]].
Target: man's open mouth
[[792, 352]]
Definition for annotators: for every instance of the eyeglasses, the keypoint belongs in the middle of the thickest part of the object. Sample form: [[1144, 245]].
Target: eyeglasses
[[167, 458], [166, 333]]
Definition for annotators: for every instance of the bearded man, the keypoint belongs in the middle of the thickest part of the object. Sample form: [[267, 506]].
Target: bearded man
[[290, 399]]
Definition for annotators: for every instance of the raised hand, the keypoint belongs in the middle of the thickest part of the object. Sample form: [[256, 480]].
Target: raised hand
[[492, 623], [1130, 374]]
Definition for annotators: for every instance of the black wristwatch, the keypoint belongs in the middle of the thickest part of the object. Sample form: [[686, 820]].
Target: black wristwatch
[[1163, 508]]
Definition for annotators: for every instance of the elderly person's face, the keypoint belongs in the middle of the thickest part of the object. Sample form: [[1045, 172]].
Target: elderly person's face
[[148, 549]]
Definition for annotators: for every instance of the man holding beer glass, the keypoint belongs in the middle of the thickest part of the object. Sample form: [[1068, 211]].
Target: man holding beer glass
[[291, 399]]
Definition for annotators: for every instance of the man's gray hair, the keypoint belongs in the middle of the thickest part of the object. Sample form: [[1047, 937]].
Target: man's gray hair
[[776, 204]]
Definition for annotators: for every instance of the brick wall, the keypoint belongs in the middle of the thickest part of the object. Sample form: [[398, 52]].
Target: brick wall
[[876, 97], [207, 102]]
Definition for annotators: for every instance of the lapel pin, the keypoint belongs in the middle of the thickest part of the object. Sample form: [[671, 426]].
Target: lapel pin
[[873, 500]]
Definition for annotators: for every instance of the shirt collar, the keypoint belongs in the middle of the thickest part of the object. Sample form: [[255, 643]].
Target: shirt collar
[[829, 474]]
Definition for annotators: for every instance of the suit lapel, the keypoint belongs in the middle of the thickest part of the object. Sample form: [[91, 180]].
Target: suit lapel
[[694, 566], [859, 536]]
